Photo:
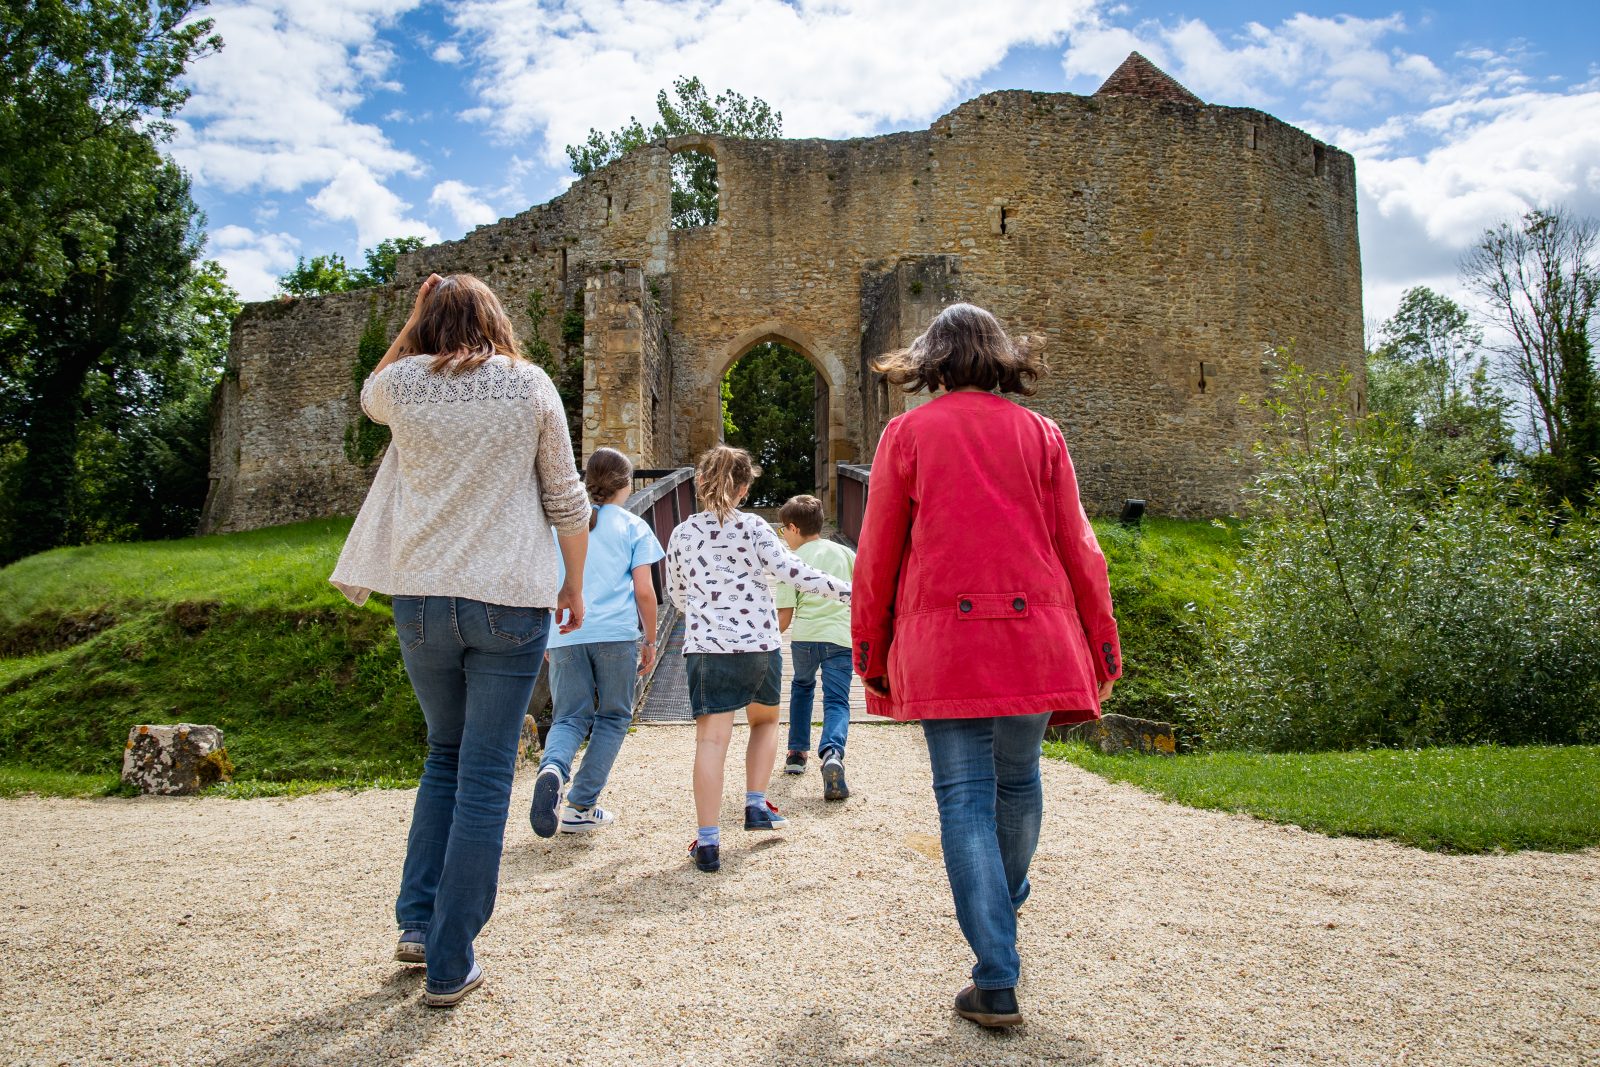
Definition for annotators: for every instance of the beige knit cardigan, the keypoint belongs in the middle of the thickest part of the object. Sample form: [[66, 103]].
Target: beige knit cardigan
[[479, 469]]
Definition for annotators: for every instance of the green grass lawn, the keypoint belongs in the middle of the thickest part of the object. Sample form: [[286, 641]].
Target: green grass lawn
[[1477, 799], [242, 631]]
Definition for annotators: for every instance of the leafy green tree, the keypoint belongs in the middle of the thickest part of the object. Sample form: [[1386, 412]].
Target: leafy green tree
[[329, 273], [689, 109], [1428, 377], [1570, 471], [85, 87], [769, 409]]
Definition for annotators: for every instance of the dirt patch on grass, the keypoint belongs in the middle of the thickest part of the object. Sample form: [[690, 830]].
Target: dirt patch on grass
[[52, 631]]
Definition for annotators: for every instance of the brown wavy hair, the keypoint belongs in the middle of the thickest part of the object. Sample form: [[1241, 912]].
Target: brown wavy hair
[[606, 472], [461, 325], [721, 476], [966, 346]]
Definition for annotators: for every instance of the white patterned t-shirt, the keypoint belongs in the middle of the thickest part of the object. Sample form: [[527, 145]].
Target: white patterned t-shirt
[[720, 575]]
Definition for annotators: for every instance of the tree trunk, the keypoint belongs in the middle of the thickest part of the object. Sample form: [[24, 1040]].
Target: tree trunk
[[47, 478]]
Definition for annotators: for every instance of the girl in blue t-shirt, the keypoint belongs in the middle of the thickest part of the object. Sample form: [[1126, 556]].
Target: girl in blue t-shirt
[[594, 670]]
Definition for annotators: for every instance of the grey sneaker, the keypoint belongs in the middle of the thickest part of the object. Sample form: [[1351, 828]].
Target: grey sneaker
[[546, 799], [833, 787], [410, 949]]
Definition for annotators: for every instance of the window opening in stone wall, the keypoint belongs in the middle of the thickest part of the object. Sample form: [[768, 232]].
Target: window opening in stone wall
[[694, 189], [1202, 381], [1254, 134], [1319, 160], [1002, 220], [771, 406], [562, 269], [608, 209]]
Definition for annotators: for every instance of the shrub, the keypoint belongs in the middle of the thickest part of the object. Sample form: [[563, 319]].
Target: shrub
[[1373, 607]]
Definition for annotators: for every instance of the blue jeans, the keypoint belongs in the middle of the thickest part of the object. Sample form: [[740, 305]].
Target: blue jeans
[[834, 660], [473, 666], [986, 782], [591, 692]]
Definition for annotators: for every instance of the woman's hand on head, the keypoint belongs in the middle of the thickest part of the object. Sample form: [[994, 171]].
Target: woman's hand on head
[[429, 284], [569, 608]]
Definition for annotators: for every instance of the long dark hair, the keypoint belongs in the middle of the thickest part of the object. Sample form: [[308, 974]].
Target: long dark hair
[[966, 346], [606, 472]]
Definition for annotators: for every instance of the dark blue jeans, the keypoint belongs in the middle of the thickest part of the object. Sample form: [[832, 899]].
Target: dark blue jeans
[[834, 662], [991, 801], [473, 667]]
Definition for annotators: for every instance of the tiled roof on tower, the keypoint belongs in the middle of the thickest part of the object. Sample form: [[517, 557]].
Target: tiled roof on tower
[[1139, 77]]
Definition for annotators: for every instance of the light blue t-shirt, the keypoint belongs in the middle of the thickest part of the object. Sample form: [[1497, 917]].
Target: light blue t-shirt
[[619, 542]]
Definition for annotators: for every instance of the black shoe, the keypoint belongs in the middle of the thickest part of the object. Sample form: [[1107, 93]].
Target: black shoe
[[833, 787], [794, 763], [989, 1007], [706, 857]]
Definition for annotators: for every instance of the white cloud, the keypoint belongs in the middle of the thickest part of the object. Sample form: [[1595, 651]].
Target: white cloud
[[463, 203], [253, 260], [449, 52], [273, 111], [356, 195], [1335, 66], [833, 67]]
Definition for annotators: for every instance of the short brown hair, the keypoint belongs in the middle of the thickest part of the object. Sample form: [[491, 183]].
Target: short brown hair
[[965, 346], [722, 474], [803, 512], [461, 324]]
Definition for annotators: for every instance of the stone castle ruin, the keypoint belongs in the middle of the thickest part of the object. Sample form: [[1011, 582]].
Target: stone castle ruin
[[1158, 244]]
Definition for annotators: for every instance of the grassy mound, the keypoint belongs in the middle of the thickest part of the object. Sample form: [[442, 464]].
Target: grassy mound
[[1475, 799], [241, 631]]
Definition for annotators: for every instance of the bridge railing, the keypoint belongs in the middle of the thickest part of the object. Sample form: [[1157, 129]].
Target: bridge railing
[[850, 495]]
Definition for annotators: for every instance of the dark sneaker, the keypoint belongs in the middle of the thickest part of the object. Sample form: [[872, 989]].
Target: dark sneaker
[[410, 949], [706, 857], [546, 802], [794, 763], [763, 817], [452, 998], [833, 787], [989, 1007]]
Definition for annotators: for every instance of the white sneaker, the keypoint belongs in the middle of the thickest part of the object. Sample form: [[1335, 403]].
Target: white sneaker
[[574, 821]]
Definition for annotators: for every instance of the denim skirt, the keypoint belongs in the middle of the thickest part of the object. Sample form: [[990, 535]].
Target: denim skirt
[[727, 681]]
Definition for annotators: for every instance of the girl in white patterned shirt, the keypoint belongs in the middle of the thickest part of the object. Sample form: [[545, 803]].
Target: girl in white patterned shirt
[[721, 564]]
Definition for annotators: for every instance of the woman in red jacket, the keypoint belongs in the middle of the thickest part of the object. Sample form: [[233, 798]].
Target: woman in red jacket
[[981, 608]]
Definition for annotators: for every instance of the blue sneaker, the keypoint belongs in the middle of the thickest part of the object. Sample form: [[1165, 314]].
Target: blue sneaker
[[763, 817], [546, 802], [706, 857]]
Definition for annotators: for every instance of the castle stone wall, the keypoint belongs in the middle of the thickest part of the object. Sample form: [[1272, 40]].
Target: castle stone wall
[[1159, 247]]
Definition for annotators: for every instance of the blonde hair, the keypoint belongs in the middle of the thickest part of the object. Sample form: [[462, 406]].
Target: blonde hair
[[606, 472], [966, 346], [461, 325], [721, 476]]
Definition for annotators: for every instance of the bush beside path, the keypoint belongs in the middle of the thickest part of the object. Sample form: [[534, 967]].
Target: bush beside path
[[227, 932]]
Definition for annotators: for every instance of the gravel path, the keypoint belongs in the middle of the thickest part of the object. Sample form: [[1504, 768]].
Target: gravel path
[[258, 932]]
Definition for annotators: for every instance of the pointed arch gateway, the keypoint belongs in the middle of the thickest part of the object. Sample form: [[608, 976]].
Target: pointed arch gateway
[[827, 402]]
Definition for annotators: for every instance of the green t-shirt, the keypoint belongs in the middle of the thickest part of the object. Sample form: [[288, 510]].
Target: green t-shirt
[[816, 618]]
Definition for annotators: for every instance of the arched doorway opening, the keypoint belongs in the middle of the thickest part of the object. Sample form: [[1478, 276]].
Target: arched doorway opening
[[775, 406]]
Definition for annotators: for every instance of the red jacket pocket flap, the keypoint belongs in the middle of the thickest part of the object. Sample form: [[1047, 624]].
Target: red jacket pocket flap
[[992, 606]]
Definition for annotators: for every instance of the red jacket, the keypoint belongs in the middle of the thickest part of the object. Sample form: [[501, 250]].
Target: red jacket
[[980, 589]]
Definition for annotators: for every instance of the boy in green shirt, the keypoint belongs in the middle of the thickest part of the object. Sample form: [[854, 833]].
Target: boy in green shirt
[[821, 640]]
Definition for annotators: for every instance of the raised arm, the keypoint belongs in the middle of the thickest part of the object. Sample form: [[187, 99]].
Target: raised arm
[[1085, 565], [884, 530], [786, 567]]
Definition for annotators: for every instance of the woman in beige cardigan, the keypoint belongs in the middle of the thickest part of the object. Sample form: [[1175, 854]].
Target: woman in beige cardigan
[[456, 528]]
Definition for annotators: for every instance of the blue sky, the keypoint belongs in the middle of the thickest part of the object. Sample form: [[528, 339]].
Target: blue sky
[[328, 125]]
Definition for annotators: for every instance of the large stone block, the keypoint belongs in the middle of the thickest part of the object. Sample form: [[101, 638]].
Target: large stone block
[[175, 760], [1121, 733]]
